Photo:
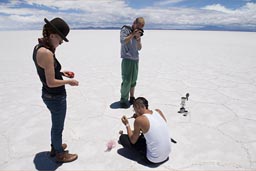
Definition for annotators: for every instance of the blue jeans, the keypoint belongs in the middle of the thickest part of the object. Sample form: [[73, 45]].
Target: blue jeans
[[57, 105]]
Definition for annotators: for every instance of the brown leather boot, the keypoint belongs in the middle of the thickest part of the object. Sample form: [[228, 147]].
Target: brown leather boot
[[53, 153], [65, 157]]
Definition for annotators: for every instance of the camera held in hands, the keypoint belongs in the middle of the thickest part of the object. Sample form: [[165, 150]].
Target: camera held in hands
[[141, 32]]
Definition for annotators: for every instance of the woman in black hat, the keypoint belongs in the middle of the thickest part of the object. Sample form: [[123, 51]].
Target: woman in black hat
[[53, 90]]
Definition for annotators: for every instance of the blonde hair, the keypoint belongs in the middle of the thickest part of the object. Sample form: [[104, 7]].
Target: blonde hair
[[140, 20]]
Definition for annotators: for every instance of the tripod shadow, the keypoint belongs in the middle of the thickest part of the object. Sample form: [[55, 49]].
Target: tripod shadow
[[135, 156], [43, 161]]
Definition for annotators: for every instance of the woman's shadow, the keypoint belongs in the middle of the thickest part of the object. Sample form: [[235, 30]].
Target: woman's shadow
[[43, 161]]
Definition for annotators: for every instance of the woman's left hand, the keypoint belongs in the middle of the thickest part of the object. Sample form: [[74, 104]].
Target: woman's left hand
[[68, 74]]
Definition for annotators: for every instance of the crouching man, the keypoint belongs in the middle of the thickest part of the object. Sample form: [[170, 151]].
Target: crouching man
[[150, 137]]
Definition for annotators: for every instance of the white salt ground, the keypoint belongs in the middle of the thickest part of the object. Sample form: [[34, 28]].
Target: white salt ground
[[216, 68]]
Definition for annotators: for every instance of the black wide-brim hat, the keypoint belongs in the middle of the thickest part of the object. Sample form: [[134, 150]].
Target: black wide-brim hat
[[60, 26]]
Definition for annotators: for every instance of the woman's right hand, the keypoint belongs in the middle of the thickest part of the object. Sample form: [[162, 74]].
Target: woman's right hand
[[73, 82]]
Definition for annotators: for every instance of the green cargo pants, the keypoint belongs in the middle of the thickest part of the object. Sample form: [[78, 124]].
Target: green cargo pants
[[129, 77]]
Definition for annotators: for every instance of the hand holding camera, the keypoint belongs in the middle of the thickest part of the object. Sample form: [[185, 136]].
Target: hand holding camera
[[138, 33]]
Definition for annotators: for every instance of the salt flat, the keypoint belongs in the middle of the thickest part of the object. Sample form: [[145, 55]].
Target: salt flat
[[217, 69]]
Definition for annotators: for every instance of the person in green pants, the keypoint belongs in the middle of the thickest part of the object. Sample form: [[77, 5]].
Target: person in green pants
[[130, 39]]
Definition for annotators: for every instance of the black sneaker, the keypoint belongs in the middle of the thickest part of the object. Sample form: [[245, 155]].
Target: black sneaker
[[124, 105], [132, 99]]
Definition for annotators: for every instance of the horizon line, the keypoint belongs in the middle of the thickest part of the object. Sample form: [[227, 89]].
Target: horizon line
[[118, 28]]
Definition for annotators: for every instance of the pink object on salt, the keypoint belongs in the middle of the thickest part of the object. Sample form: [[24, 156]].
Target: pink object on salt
[[111, 144]]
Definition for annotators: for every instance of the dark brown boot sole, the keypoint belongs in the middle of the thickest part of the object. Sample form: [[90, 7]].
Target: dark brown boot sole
[[52, 152], [65, 160]]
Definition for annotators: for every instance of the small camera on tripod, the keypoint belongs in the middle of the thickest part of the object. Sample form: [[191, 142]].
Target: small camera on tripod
[[183, 104]]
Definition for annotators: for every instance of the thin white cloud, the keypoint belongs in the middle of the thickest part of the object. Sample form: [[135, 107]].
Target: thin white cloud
[[167, 2], [244, 15], [20, 11], [86, 6], [219, 8], [251, 7], [247, 8], [89, 12]]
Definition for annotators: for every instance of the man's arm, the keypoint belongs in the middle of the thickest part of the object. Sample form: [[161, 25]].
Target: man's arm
[[161, 113], [132, 134], [125, 35], [139, 46], [127, 38]]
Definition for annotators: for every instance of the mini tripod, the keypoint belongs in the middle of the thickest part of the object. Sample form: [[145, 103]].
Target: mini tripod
[[183, 100]]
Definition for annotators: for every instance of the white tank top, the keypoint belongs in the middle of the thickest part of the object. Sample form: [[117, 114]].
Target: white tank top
[[157, 138]]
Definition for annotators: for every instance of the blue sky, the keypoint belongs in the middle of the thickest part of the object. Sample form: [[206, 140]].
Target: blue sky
[[159, 14]]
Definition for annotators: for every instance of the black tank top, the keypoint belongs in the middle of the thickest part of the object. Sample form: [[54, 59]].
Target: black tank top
[[40, 71]]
